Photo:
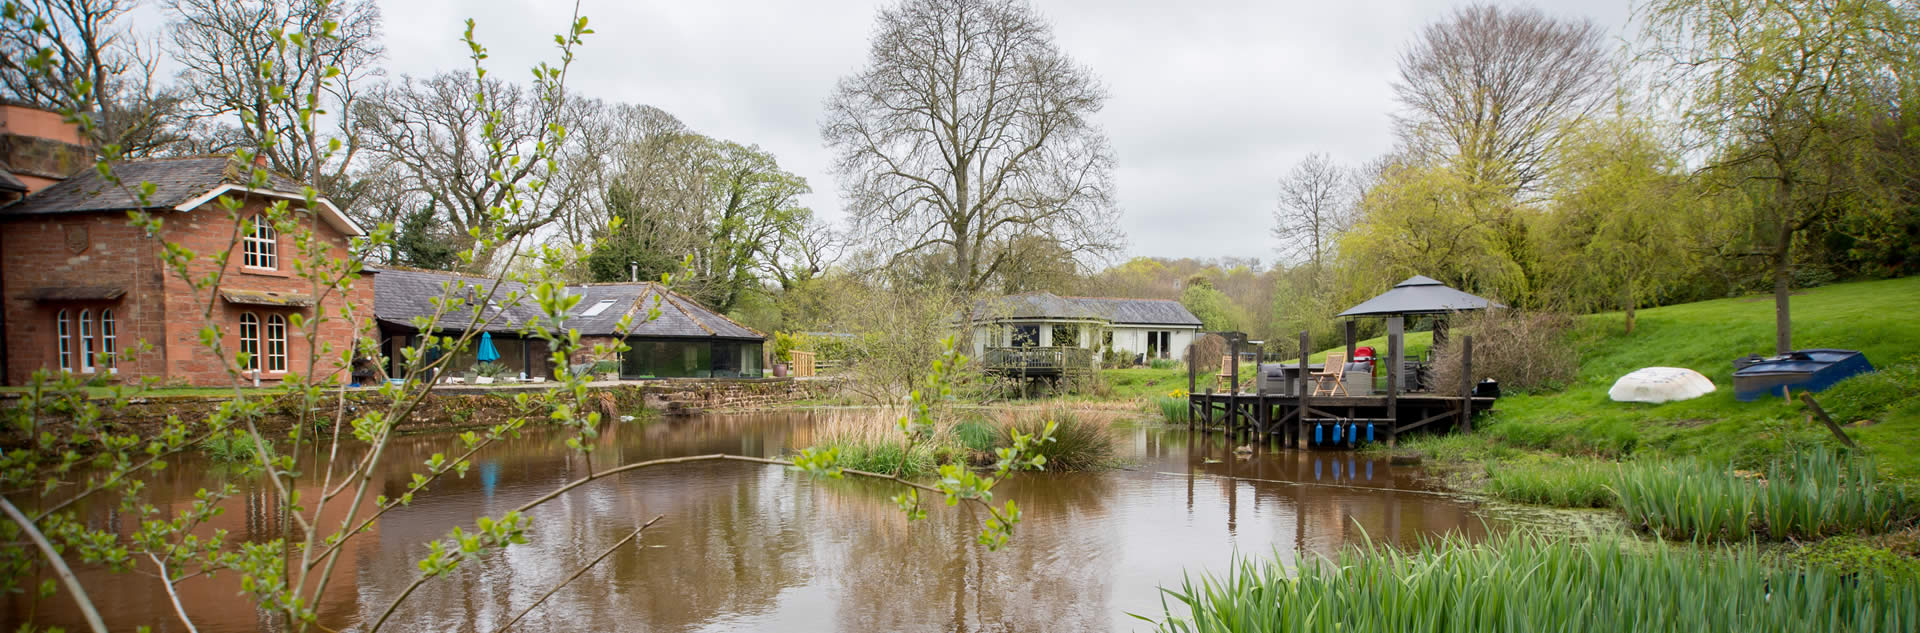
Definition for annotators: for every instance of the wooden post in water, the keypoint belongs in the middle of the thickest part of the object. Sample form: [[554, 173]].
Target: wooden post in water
[[1396, 331], [1233, 388], [1191, 383], [1466, 384], [1206, 408], [1300, 393]]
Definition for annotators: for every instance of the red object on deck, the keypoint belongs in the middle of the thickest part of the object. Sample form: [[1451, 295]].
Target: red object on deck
[[1364, 355]]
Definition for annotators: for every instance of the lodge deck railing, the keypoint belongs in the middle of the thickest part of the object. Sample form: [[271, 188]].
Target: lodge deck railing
[[1037, 361]]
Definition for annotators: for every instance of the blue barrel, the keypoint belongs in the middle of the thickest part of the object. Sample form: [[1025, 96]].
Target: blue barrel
[[1316, 434], [1336, 434], [1353, 433], [1369, 432]]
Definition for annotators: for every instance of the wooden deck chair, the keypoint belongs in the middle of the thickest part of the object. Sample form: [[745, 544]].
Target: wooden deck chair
[[1327, 381]]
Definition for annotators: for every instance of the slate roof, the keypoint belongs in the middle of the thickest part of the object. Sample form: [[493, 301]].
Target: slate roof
[[1046, 305], [1419, 295], [1140, 311], [401, 294], [10, 183], [176, 181]]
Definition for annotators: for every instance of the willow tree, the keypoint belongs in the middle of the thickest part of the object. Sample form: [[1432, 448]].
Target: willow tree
[[1779, 90], [967, 130], [1616, 224]]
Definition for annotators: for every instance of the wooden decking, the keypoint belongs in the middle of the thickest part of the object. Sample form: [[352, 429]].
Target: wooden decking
[[1304, 421], [1294, 420]]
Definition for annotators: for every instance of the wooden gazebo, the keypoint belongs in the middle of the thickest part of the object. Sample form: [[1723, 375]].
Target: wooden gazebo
[[1293, 414]]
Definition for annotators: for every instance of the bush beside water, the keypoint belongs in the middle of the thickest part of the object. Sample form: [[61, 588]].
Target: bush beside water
[[1529, 583]]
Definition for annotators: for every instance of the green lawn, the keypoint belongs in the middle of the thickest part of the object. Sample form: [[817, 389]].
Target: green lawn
[[1876, 317]]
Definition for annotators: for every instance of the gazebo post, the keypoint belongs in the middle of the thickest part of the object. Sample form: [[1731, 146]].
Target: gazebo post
[[1396, 350], [1466, 384], [1353, 331]]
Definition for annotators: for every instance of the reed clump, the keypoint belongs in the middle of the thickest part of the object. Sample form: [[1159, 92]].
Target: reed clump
[[876, 445], [1812, 494], [1579, 483], [1530, 583], [1081, 440], [1174, 408]]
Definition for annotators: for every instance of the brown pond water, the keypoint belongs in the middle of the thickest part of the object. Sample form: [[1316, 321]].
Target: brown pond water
[[744, 547]]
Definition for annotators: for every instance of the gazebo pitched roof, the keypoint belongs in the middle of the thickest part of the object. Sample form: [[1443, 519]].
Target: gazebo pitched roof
[[1419, 295]]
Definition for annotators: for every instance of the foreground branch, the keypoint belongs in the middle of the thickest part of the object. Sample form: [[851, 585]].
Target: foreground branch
[[576, 574], [60, 568]]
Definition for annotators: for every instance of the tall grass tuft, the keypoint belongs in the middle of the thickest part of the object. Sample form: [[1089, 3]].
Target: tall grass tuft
[[1810, 495], [874, 444], [975, 434], [233, 447], [1080, 442], [1174, 409], [1531, 583], [1564, 483]]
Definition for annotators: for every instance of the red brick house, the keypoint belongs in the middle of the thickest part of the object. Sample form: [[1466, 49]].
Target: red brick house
[[79, 283]]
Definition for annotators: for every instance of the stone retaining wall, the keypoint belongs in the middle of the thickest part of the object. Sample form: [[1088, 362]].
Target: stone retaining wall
[[455, 407]]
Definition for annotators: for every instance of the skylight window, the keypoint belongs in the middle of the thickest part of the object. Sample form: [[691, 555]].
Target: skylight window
[[598, 308]]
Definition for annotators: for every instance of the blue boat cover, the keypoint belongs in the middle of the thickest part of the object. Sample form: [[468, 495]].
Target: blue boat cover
[[1801, 370]]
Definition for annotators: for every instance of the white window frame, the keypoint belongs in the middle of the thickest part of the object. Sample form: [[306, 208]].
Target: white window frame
[[250, 340], [259, 246], [86, 341], [276, 341], [63, 332], [109, 340]]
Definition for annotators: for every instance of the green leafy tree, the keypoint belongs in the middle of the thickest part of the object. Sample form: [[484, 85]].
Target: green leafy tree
[[1780, 90], [1433, 221], [418, 243], [1217, 312], [1616, 231]]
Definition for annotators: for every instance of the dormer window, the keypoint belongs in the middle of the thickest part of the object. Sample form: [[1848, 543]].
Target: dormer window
[[259, 247]]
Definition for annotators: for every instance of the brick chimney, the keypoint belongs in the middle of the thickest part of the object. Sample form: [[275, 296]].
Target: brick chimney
[[38, 147]]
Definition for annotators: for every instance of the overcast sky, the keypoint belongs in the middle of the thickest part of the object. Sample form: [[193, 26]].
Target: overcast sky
[[1209, 101]]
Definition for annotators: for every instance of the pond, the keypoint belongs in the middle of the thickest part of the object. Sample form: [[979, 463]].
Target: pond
[[743, 547]]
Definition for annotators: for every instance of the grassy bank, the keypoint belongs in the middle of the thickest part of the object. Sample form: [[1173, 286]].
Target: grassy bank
[[1530, 583], [1881, 411]]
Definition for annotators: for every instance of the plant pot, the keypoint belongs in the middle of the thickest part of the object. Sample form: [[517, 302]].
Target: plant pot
[[483, 380], [779, 370]]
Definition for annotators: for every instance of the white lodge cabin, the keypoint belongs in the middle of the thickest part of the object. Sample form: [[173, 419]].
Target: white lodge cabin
[[1036, 332]]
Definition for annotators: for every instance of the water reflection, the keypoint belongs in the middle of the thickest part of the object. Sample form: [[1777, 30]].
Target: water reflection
[[753, 548]]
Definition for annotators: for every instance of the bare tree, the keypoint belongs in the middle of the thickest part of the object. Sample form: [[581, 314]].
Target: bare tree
[[967, 129], [431, 132], [92, 67], [233, 61], [1316, 204], [1491, 90]]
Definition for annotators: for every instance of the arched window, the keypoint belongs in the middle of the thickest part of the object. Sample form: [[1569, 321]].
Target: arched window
[[260, 249], [250, 340], [109, 342], [276, 343], [86, 341], [65, 338]]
